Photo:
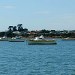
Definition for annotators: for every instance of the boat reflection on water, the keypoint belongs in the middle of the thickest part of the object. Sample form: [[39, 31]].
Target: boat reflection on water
[[41, 41]]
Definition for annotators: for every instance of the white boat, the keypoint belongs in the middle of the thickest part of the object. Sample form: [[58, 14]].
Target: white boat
[[16, 39], [41, 41], [4, 38], [68, 38]]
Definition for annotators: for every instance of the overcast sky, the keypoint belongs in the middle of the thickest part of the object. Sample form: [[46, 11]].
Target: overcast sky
[[38, 14]]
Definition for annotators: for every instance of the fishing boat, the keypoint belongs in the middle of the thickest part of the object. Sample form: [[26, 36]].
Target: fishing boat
[[16, 39], [41, 41]]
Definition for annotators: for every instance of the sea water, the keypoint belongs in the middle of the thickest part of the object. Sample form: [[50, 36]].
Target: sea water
[[19, 58]]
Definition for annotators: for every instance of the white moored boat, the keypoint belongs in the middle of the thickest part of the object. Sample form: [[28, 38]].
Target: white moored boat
[[41, 41], [4, 38], [16, 39]]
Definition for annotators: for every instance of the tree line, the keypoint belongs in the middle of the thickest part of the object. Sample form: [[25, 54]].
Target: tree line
[[24, 32], [11, 29], [19, 28]]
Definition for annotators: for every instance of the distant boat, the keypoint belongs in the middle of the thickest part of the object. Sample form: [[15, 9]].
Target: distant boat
[[68, 38], [16, 39], [41, 41], [4, 38]]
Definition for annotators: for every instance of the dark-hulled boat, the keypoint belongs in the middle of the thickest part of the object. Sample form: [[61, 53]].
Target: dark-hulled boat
[[16, 39]]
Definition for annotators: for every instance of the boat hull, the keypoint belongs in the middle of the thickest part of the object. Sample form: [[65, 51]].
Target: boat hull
[[43, 42], [6, 39], [16, 40], [3, 39]]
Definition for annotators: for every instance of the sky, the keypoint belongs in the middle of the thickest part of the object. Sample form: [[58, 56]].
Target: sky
[[38, 14]]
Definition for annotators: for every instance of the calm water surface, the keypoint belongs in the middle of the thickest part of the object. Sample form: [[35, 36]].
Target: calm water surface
[[18, 58]]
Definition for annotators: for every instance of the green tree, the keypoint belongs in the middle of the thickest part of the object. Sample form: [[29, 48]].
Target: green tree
[[14, 28], [10, 28], [20, 28], [25, 30]]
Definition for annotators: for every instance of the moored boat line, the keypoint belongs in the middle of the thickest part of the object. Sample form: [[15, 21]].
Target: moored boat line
[[37, 41]]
